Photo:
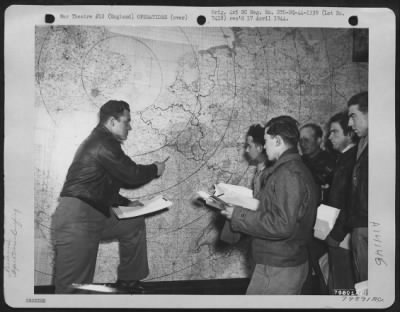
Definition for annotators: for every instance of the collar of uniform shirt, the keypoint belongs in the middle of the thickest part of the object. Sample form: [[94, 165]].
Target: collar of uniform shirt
[[361, 145]]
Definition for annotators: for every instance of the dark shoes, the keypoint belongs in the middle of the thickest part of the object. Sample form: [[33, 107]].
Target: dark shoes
[[131, 287]]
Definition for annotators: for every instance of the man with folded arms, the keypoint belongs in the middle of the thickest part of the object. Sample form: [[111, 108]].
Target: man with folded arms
[[83, 216], [281, 227]]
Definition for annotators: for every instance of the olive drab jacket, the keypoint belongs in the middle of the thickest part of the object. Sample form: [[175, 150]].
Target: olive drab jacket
[[282, 225], [321, 167], [100, 168], [358, 211], [340, 192]]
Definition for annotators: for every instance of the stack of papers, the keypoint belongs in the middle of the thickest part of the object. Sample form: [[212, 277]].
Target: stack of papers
[[149, 206], [326, 218], [230, 194]]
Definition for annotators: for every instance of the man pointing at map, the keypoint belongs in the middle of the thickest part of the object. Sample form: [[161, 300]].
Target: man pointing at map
[[83, 216]]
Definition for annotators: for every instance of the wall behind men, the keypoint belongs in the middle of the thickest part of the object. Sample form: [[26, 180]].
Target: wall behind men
[[193, 94]]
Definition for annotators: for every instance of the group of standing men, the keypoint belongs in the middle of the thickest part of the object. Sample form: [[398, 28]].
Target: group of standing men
[[292, 187], [288, 185], [343, 179]]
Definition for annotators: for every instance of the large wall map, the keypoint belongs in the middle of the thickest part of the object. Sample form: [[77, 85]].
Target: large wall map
[[193, 94]]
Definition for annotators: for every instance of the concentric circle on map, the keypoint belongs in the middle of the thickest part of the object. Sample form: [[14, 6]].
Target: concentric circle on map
[[169, 77], [123, 68]]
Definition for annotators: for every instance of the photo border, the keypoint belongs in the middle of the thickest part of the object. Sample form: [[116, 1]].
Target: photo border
[[19, 75]]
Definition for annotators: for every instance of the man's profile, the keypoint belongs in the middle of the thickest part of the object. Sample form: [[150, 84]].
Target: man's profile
[[83, 216]]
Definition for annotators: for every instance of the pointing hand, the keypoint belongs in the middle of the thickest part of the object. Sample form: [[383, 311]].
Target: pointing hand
[[160, 167]]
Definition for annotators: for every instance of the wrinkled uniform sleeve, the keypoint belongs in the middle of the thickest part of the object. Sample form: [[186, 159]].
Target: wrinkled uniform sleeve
[[279, 220], [121, 167]]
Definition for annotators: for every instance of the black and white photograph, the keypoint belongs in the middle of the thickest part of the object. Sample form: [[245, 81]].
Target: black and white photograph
[[225, 153]]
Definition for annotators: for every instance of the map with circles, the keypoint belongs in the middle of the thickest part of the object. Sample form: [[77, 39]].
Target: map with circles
[[193, 93]]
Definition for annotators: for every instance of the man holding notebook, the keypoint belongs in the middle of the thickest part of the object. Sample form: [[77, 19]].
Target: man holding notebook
[[83, 216], [282, 225], [340, 261]]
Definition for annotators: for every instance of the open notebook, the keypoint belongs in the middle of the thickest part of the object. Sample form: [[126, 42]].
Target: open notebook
[[230, 194], [155, 204]]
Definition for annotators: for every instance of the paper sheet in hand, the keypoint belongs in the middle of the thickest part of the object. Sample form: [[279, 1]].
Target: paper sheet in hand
[[236, 195], [152, 205], [212, 200], [326, 218]]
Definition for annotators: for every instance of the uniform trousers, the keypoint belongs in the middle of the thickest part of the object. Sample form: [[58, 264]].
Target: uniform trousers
[[78, 229], [341, 276], [359, 245], [270, 280]]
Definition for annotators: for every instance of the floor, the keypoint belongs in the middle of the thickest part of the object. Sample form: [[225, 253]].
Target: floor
[[235, 286]]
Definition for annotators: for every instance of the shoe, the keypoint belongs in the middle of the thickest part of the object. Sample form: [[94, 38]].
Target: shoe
[[130, 286]]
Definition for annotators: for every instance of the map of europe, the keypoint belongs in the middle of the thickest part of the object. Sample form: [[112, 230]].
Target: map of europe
[[193, 94]]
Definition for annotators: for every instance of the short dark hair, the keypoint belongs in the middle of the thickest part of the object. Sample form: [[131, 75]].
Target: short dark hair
[[112, 108], [257, 133], [316, 128], [286, 127], [360, 99], [342, 118]]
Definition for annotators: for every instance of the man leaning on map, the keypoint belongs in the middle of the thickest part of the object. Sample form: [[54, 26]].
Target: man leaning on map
[[82, 218], [281, 227]]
